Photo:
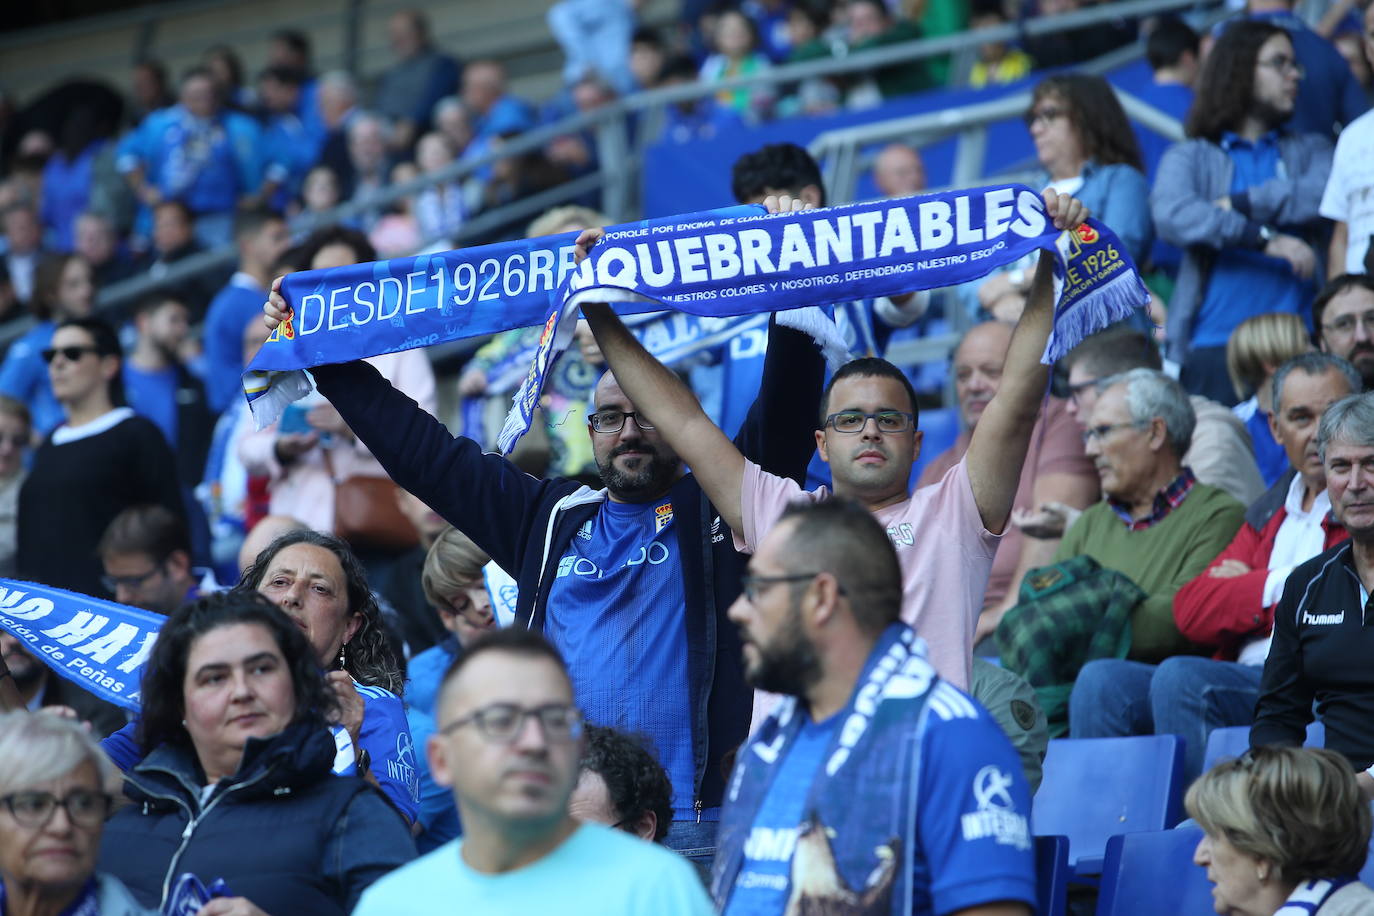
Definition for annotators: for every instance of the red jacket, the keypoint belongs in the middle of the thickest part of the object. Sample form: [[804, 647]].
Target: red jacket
[[1228, 613]]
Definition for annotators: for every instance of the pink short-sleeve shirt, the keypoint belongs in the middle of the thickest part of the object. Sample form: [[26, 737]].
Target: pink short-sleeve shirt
[[945, 553]]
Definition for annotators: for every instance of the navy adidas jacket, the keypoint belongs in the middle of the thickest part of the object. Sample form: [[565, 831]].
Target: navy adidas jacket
[[524, 523]]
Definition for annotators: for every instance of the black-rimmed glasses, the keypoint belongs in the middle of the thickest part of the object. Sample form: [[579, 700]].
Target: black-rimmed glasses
[[501, 722], [613, 421], [85, 808]]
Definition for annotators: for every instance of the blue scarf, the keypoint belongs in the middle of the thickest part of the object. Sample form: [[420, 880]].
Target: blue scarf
[[721, 263], [87, 903], [97, 645], [864, 798], [1308, 897]]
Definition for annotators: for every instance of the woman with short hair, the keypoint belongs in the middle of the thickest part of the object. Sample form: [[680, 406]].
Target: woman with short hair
[[239, 784], [55, 792], [1283, 825]]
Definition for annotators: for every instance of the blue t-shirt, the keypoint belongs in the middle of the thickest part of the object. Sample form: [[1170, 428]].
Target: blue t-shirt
[[766, 875], [426, 671], [24, 377], [154, 395], [616, 612], [438, 812], [1246, 282], [230, 311], [973, 840]]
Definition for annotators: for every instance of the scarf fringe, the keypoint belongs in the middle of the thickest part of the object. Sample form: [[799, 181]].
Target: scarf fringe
[[1117, 299], [823, 330], [280, 389]]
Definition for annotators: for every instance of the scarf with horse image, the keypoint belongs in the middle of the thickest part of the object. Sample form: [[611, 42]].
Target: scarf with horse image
[[855, 848]]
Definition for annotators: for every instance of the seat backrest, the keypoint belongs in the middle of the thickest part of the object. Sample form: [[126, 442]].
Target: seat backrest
[[1222, 743], [1233, 741], [1146, 874], [1095, 788], [1051, 875]]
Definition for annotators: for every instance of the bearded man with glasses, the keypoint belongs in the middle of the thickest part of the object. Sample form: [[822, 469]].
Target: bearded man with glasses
[[509, 742], [1343, 319]]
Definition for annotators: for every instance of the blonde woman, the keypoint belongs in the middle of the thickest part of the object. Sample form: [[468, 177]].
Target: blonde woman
[[1286, 830], [1254, 352]]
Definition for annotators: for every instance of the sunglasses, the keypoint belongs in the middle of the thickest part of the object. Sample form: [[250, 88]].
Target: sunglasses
[[70, 354]]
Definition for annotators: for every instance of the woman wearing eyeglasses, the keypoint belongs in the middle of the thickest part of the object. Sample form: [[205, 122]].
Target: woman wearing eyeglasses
[[1085, 145], [99, 462], [55, 789], [239, 785]]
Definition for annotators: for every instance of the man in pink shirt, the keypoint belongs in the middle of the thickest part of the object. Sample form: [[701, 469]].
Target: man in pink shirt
[[945, 535]]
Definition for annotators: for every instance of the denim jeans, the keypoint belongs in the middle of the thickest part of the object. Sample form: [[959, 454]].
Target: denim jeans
[[1185, 695], [694, 841]]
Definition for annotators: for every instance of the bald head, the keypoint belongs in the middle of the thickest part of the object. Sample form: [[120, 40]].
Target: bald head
[[899, 172], [978, 368], [264, 533]]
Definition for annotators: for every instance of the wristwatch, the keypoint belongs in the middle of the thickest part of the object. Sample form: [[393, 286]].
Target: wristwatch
[[1267, 233], [364, 762]]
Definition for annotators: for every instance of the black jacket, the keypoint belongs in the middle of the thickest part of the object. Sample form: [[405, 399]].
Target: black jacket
[[524, 523], [283, 831], [1323, 644]]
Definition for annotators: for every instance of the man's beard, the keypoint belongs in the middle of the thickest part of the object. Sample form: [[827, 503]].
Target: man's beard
[[790, 666], [1362, 358], [654, 476], [26, 671]]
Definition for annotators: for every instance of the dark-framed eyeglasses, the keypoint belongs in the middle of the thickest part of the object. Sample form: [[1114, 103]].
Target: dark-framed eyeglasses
[[613, 421], [850, 422], [70, 354], [501, 722], [754, 586], [1046, 113], [1283, 64], [1102, 430], [1346, 324], [85, 807], [1076, 390], [112, 583]]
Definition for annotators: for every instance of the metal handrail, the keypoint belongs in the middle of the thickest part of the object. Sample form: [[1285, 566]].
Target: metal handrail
[[615, 177]]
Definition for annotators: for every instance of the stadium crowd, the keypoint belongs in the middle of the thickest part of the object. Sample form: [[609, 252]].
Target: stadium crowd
[[746, 634]]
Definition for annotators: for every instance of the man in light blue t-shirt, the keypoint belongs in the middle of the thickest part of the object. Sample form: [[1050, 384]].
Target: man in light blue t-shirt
[[508, 742]]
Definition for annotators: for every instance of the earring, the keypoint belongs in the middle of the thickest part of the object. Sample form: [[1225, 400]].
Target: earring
[[1262, 873], [343, 663]]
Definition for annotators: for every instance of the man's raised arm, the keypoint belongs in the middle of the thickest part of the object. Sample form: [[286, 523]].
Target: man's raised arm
[[674, 411], [1002, 436]]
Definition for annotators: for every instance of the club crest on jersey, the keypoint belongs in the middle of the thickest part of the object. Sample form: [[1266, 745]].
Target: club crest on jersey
[[662, 516]]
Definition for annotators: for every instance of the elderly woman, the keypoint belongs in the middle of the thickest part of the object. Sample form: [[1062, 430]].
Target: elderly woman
[[239, 786], [316, 579], [55, 790], [1286, 830]]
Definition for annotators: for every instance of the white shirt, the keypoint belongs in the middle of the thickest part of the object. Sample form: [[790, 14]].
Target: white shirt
[[1300, 538], [1349, 195]]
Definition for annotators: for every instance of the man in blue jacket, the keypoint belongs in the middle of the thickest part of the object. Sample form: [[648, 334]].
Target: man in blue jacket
[[631, 583]]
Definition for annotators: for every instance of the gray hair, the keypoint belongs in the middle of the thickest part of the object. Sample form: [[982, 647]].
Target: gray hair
[[39, 746], [364, 118], [1149, 394], [449, 103], [338, 81], [1315, 363], [1350, 419]]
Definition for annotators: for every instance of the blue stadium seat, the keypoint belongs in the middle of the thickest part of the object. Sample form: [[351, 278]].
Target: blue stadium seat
[[1095, 788], [1234, 741], [1051, 875], [1146, 874]]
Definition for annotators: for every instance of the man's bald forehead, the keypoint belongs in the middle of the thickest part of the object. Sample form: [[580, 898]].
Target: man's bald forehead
[[608, 391], [989, 333], [483, 681]]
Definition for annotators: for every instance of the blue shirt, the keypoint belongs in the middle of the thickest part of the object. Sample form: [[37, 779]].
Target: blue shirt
[[974, 844], [426, 671], [766, 875], [154, 395], [1246, 282], [206, 164], [24, 377], [616, 612], [438, 813], [229, 314]]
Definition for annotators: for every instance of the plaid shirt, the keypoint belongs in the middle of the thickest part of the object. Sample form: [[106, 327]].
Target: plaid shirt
[[1166, 501], [1069, 614]]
